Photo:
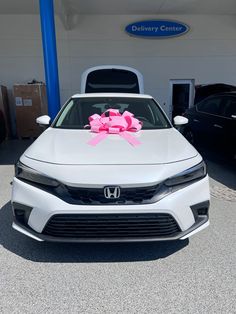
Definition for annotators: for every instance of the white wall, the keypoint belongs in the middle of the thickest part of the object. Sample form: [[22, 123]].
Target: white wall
[[207, 53]]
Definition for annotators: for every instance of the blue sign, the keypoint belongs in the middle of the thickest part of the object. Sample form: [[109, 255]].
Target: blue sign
[[157, 29]]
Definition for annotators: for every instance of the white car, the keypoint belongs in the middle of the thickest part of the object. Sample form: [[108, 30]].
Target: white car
[[67, 190]]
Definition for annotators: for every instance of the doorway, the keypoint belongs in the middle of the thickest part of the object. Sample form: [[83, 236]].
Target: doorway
[[181, 96]]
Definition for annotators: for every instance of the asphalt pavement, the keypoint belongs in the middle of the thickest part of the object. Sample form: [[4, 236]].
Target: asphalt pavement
[[193, 276]]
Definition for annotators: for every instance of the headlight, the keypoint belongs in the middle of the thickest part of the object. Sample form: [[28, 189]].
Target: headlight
[[30, 175], [188, 176]]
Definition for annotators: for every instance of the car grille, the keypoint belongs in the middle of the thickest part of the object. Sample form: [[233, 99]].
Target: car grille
[[128, 196], [112, 226]]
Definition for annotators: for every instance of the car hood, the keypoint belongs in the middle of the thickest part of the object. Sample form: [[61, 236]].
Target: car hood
[[70, 147]]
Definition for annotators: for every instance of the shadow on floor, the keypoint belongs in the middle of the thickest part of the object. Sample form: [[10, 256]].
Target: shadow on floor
[[80, 253]]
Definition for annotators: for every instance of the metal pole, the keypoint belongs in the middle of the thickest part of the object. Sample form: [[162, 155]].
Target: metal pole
[[50, 56]]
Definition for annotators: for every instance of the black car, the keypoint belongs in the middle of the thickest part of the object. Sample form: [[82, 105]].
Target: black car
[[214, 119]]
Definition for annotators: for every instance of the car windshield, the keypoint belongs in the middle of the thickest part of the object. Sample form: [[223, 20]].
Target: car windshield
[[76, 112]]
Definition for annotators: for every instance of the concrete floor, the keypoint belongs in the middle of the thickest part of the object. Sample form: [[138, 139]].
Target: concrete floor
[[195, 276]]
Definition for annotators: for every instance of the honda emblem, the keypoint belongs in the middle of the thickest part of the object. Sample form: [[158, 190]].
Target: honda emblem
[[112, 192]]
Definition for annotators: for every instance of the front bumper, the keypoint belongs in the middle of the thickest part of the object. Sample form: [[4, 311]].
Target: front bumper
[[181, 205], [202, 223]]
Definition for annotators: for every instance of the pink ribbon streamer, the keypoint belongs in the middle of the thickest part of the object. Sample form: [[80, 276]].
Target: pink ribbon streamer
[[112, 122]]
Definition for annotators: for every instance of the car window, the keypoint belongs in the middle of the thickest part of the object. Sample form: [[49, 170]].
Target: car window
[[77, 111], [210, 105], [228, 107]]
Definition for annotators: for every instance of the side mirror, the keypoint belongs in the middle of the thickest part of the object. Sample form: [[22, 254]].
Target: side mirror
[[43, 121], [179, 120]]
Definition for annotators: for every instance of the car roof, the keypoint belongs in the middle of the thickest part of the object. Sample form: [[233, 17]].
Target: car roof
[[125, 95], [233, 93]]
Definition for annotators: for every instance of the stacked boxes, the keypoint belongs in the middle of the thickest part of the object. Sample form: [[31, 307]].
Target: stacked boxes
[[30, 102]]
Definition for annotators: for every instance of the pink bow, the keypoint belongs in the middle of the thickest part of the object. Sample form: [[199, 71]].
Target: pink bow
[[112, 122]]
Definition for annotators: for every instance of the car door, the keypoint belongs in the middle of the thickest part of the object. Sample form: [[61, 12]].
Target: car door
[[227, 120], [204, 121]]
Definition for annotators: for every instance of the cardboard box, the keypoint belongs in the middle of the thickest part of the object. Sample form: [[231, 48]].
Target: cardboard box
[[4, 107], [30, 103]]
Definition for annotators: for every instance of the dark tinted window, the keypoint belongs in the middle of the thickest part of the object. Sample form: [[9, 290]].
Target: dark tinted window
[[112, 80], [76, 113], [228, 107], [210, 105]]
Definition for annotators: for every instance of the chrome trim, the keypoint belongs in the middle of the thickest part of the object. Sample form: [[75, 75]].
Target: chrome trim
[[112, 192]]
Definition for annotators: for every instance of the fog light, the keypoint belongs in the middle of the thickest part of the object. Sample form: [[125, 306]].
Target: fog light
[[202, 211], [21, 213]]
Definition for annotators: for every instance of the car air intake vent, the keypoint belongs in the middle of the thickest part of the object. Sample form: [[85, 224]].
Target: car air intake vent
[[128, 196], [111, 226]]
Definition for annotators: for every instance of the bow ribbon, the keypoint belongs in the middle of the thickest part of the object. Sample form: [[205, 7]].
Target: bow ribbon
[[112, 122]]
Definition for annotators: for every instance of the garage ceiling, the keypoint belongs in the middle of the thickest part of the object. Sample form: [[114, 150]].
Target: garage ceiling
[[123, 6]]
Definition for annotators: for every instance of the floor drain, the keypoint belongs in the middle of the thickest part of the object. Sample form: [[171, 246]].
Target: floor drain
[[223, 193]]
